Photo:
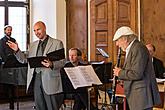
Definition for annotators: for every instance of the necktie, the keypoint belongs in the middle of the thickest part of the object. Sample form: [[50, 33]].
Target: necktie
[[39, 53], [40, 49]]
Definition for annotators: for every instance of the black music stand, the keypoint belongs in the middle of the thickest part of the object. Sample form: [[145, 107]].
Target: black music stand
[[105, 55], [99, 69]]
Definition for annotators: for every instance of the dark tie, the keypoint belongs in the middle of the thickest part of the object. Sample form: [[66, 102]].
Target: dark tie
[[39, 53], [40, 49]]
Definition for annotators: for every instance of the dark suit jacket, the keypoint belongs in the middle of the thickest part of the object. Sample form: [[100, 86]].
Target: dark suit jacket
[[5, 50], [158, 67], [140, 85]]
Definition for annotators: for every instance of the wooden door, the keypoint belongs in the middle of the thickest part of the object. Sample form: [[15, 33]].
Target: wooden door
[[125, 14], [101, 31], [106, 16]]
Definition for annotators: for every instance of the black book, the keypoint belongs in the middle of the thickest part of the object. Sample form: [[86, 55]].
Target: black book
[[52, 56], [56, 55]]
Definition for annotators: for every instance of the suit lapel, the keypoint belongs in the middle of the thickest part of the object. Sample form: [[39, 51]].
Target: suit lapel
[[34, 49], [48, 45], [35, 46], [129, 54]]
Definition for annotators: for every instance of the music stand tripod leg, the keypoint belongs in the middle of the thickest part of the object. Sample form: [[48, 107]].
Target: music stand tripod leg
[[17, 97], [89, 101]]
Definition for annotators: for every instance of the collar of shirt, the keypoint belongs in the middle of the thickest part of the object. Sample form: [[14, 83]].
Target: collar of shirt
[[46, 39], [7, 37], [128, 48]]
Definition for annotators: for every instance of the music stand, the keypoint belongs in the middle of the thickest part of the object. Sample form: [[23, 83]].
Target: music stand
[[104, 67], [99, 69], [105, 55]]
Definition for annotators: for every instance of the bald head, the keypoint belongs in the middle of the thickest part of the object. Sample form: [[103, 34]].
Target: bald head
[[151, 49], [40, 30], [40, 23]]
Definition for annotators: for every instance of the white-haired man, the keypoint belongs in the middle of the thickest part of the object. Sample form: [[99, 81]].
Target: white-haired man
[[137, 73]]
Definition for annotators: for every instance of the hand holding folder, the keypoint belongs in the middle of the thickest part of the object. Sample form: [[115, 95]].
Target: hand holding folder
[[56, 55]]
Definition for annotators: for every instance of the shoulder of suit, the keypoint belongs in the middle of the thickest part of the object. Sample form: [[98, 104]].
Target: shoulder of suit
[[54, 39], [33, 43], [68, 64], [3, 38]]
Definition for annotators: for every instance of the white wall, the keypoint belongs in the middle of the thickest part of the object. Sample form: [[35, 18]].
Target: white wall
[[53, 14], [61, 20]]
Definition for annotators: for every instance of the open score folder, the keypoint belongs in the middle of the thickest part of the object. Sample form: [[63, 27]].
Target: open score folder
[[82, 76]]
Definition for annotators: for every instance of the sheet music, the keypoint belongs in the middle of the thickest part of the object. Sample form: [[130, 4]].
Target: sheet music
[[82, 76]]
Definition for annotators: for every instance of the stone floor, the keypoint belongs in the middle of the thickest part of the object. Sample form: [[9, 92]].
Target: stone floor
[[29, 105], [26, 105]]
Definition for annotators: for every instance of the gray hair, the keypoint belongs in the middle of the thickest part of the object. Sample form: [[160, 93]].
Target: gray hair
[[130, 38]]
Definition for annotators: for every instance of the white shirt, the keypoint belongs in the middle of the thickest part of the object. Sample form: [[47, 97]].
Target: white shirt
[[128, 48]]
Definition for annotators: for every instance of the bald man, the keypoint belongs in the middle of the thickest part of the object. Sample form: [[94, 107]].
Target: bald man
[[158, 64], [45, 80]]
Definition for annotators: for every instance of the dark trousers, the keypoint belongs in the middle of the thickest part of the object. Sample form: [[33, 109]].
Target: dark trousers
[[80, 101], [44, 101], [9, 88]]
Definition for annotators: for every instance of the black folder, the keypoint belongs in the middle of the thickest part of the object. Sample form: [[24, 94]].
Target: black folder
[[56, 55], [35, 62]]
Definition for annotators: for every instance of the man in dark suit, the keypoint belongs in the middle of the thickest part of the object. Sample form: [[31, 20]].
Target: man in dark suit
[[80, 95], [46, 80], [5, 50], [5, 53], [140, 87], [158, 64]]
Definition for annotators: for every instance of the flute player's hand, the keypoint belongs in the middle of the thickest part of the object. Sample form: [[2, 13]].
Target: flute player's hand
[[116, 71]]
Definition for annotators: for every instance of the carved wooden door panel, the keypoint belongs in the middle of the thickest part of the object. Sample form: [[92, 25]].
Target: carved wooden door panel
[[125, 15], [101, 30], [105, 17]]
